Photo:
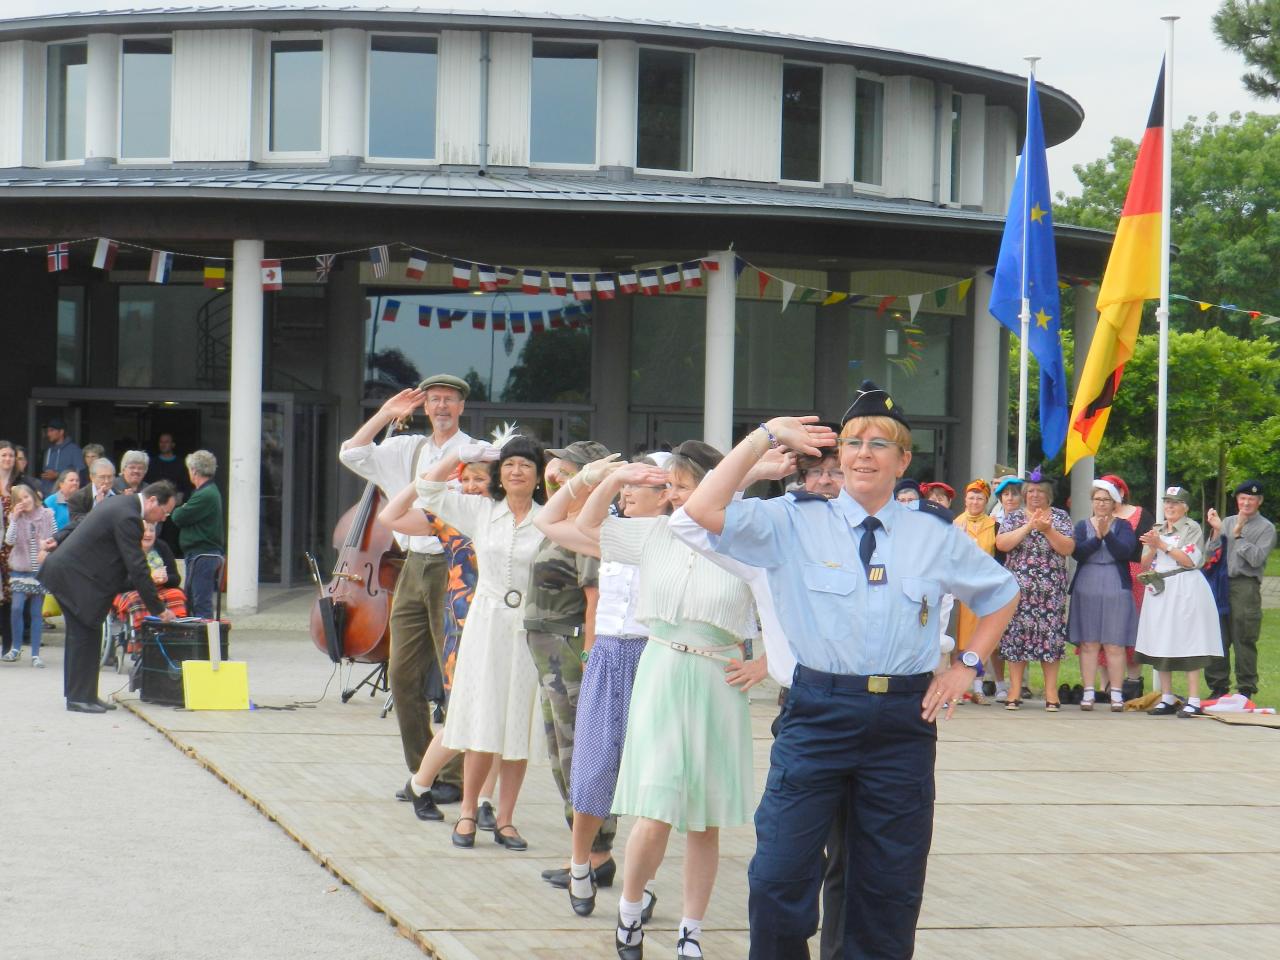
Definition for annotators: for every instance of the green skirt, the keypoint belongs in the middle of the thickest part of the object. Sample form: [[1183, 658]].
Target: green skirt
[[687, 757]]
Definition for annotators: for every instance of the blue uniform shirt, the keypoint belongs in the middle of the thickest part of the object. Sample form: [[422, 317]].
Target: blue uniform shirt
[[835, 620]]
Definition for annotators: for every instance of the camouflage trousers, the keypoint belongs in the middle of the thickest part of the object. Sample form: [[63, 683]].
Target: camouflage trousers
[[558, 661]]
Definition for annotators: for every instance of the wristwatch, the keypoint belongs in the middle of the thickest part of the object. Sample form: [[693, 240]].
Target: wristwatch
[[972, 661]]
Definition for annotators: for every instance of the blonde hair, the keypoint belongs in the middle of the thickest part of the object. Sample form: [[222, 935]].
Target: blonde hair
[[895, 430]]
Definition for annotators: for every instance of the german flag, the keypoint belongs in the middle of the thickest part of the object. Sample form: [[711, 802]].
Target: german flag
[[1132, 276]]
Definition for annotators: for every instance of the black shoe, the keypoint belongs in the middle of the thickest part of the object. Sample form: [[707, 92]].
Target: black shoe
[[1163, 709], [584, 906], [647, 913], [634, 951], [1064, 693], [104, 704], [988, 688], [1077, 694], [424, 805], [486, 819], [79, 706], [1132, 688], [1191, 710], [680, 954], [604, 875], [1025, 693], [512, 840], [445, 792], [464, 840]]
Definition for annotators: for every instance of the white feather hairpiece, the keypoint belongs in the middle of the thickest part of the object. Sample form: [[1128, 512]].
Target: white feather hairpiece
[[504, 433]]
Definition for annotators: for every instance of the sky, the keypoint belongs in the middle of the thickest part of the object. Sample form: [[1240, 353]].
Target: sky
[[1104, 53]]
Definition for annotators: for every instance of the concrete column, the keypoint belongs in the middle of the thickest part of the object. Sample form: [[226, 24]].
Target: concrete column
[[611, 374], [619, 61], [246, 427], [717, 403], [347, 54], [102, 99], [984, 397], [1086, 322]]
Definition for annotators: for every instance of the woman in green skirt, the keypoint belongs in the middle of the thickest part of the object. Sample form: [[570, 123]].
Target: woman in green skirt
[[687, 758]]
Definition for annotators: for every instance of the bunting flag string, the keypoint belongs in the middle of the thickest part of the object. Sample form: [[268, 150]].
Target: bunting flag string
[[1205, 305]]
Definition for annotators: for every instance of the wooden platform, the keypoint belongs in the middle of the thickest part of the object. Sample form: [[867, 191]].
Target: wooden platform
[[1071, 835]]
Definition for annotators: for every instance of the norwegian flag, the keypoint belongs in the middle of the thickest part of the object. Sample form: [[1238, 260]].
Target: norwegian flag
[[461, 274], [59, 257], [506, 275], [488, 277], [417, 265], [604, 286], [324, 266], [424, 316], [391, 311], [557, 284], [711, 263], [627, 281], [517, 323], [649, 282], [477, 319], [671, 278], [104, 254], [531, 282], [691, 273], [581, 286], [379, 257], [272, 275]]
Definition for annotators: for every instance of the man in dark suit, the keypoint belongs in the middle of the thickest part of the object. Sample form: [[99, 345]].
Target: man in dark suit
[[104, 486], [100, 558]]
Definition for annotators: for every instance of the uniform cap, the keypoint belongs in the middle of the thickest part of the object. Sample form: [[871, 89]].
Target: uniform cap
[[446, 380], [1251, 487], [906, 483], [581, 452], [872, 401], [1177, 493]]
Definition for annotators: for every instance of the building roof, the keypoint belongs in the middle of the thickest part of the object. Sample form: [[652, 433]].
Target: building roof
[[1062, 115]]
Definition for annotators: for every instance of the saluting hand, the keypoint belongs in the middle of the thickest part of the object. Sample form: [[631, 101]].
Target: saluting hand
[[403, 404], [774, 465], [802, 434]]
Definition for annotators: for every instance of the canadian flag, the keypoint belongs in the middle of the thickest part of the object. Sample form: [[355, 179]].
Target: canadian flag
[[272, 275]]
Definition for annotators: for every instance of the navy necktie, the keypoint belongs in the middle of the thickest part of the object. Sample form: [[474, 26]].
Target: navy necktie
[[867, 545]]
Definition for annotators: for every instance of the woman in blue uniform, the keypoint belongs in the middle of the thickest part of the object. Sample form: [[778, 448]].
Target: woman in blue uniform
[[861, 578]]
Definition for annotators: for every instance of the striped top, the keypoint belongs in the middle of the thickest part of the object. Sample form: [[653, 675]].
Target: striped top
[[675, 583]]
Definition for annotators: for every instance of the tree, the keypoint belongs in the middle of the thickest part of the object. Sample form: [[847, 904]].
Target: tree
[[554, 367], [1252, 29], [1226, 217]]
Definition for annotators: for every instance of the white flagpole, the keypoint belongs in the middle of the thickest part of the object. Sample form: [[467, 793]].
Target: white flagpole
[[1024, 315], [1162, 312]]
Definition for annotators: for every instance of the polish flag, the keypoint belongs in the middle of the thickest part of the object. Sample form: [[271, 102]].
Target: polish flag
[[104, 254]]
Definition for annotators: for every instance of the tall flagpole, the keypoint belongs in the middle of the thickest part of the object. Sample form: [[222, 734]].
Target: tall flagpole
[[1162, 312], [1024, 315]]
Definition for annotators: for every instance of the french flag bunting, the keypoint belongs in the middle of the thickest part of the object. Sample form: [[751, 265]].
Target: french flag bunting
[[104, 254], [605, 286], [671, 278], [581, 286], [555, 318], [517, 322], [738, 266], [627, 281], [477, 319], [531, 282], [711, 263], [272, 275], [461, 274], [417, 265], [557, 284], [488, 277], [445, 319], [59, 257], [391, 311], [424, 316], [499, 320], [507, 275], [161, 265], [648, 282], [535, 321], [691, 273], [379, 257]]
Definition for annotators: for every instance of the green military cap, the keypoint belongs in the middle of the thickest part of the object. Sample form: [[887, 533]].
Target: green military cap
[[446, 380]]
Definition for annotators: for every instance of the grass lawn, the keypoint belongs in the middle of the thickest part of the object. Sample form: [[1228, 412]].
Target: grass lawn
[[1273, 564]]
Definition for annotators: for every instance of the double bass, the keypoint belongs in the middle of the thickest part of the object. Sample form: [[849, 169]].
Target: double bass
[[351, 618]]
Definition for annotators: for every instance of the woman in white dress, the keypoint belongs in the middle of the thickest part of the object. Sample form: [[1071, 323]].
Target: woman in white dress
[[495, 686], [1178, 627]]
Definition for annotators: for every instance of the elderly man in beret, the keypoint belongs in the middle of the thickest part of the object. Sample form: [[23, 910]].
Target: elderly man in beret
[[417, 612], [1247, 537]]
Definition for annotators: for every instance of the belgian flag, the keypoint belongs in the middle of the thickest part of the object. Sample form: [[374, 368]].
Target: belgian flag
[[1132, 276]]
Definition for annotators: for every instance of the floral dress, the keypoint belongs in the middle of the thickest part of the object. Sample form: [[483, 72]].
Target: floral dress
[[1038, 630], [5, 504]]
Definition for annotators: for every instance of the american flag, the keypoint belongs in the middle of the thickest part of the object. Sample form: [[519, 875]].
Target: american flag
[[379, 257]]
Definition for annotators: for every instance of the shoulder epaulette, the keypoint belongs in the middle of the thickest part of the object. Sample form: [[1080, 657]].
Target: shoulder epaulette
[[804, 496], [937, 511]]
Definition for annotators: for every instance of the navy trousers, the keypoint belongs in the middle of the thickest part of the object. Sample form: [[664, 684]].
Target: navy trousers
[[872, 753]]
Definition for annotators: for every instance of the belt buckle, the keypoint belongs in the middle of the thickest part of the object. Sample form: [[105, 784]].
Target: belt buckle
[[877, 684], [680, 647]]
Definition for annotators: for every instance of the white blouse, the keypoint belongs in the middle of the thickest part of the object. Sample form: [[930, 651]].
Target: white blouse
[[675, 583], [619, 598]]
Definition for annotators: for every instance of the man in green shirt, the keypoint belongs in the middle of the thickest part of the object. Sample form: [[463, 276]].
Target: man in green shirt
[[200, 531]]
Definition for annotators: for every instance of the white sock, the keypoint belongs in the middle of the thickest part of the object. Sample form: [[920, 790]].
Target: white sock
[[1168, 698], [693, 930], [580, 879], [628, 917], [1002, 686], [418, 788], [977, 685], [1089, 695], [1194, 701], [1116, 696]]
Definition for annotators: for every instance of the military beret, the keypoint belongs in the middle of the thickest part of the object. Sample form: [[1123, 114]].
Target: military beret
[[871, 401], [703, 454], [906, 483], [1252, 487], [446, 380]]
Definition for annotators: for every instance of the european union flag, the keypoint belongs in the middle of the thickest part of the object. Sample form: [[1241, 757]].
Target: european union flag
[[1026, 251]]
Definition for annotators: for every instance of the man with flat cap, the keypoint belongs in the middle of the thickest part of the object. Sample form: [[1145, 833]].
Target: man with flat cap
[[417, 611], [861, 578], [1246, 537]]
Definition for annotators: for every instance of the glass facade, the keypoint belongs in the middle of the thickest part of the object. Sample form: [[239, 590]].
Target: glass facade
[[878, 350], [67, 74], [868, 132], [173, 336], [70, 350], [562, 113], [402, 97], [297, 96], [801, 122], [146, 97], [664, 114]]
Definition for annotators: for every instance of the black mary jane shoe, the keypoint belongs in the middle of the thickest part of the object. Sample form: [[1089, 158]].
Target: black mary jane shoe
[[584, 906], [486, 819], [512, 840], [557, 876], [1163, 709], [647, 913], [424, 804], [445, 792], [626, 951], [680, 952], [464, 840], [604, 875]]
